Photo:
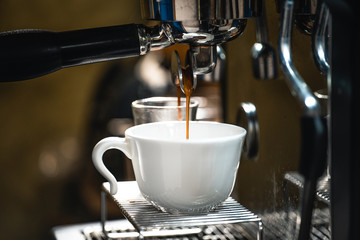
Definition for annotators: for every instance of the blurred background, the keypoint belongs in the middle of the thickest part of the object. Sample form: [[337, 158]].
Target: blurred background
[[49, 125]]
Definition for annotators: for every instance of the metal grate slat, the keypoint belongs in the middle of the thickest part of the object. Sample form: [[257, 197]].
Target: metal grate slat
[[145, 217], [323, 188], [277, 225]]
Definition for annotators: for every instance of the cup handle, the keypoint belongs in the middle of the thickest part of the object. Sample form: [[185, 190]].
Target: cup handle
[[97, 155]]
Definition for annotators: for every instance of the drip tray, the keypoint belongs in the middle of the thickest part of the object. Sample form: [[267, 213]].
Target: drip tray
[[229, 221], [124, 230], [277, 225], [149, 221]]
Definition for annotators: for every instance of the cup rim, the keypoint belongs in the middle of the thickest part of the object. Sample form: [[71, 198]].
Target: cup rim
[[129, 132], [139, 103]]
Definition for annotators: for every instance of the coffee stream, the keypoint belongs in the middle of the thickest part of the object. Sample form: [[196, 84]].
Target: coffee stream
[[178, 91], [188, 89]]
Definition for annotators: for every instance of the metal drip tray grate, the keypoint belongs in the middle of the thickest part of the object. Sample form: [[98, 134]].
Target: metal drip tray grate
[[277, 225], [281, 224], [226, 231], [148, 220], [323, 188], [230, 221]]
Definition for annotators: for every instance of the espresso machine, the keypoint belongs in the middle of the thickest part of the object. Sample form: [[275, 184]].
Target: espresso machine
[[203, 25]]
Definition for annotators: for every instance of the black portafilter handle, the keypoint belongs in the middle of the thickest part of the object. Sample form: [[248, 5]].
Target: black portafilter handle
[[313, 147], [26, 54], [312, 165]]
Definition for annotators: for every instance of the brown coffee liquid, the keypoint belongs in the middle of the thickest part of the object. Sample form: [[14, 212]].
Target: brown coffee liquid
[[188, 89], [178, 91]]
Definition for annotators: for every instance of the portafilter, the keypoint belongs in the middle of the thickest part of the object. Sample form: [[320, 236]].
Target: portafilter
[[27, 54]]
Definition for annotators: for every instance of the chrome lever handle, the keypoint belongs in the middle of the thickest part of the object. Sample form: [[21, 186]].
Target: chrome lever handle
[[297, 85], [247, 118], [262, 53], [312, 130], [320, 41]]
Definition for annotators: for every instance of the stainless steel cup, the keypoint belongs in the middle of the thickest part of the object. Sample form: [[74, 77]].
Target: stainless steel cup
[[157, 109]]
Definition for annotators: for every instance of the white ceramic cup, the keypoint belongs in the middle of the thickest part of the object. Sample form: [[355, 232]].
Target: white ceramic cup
[[176, 174]]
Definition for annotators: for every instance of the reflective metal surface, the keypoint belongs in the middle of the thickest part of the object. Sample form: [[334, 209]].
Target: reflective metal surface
[[193, 10], [152, 39], [320, 39], [301, 7], [304, 11], [278, 226], [323, 187], [201, 22], [247, 118], [198, 23], [175, 68], [219, 71], [262, 53], [313, 149], [297, 85], [146, 218], [203, 59]]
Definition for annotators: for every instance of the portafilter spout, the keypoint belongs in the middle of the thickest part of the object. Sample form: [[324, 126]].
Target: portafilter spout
[[28, 54], [202, 24]]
